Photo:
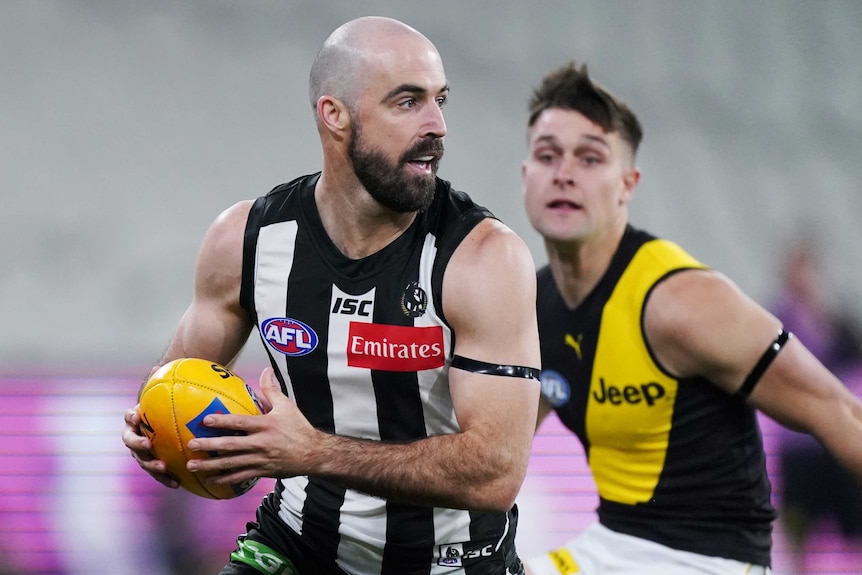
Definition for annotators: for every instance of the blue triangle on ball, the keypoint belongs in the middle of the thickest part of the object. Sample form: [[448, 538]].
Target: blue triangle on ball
[[197, 427]]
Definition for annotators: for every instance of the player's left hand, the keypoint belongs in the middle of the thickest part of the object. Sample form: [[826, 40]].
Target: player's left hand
[[141, 449], [279, 443]]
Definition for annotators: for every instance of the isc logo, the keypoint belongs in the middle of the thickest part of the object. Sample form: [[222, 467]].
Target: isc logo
[[289, 336], [350, 306]]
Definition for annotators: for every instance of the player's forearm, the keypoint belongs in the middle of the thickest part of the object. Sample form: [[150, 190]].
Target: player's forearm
[[842, 435], [455, 471]]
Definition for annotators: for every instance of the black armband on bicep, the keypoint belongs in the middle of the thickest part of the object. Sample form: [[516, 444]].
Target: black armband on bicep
[[764, 362], [476, 366]]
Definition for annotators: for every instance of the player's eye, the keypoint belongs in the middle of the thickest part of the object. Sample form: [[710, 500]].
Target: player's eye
[[545, 156]]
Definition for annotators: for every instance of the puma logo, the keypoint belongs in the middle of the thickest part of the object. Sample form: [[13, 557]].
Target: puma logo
[[575, 344]]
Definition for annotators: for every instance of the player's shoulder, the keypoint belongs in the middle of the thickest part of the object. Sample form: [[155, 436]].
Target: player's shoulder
[[684, 302], [234, 215], [694, 284], [657, 263], [492, 259], [492, 238], [229, 225], [223, 240]]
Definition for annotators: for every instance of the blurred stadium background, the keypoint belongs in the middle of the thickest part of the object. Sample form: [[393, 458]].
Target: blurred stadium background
[[126, 127]]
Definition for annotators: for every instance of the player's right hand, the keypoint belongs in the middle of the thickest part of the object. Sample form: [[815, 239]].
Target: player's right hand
[[141, 448]]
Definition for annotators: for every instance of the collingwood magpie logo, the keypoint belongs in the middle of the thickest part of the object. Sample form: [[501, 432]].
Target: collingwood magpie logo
[[454, 554], [414, 300]]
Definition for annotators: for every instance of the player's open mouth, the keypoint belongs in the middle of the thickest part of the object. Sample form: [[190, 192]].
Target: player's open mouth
[[424, 163]]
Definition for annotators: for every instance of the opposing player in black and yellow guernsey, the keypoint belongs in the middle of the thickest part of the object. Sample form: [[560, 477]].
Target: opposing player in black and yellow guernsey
[[656, 362]]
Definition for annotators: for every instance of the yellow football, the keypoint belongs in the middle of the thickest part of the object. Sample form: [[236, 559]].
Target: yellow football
[[173, 404]]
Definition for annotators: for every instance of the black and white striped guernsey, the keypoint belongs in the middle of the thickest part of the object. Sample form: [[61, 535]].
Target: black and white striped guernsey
[[362, 347]]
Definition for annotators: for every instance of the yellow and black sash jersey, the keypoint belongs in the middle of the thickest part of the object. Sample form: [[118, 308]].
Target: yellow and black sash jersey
[[675, 460]]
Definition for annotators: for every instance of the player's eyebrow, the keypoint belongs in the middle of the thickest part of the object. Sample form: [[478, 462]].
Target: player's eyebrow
[[414, 89], [546, 139], [553, 140], [597, 140]]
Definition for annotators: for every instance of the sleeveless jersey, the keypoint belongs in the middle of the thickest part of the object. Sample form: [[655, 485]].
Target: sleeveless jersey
[[676, 461], [363, 348]]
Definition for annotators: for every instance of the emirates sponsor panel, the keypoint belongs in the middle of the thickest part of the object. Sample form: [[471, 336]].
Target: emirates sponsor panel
[[395, 347]]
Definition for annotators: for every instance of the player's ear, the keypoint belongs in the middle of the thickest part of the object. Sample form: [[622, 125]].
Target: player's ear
[[631, 177], [333, 113]]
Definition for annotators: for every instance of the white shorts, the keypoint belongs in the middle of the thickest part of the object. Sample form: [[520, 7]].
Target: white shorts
[[600, 551]]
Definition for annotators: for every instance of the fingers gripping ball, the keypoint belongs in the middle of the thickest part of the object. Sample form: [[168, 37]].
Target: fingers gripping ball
[[173, 404]]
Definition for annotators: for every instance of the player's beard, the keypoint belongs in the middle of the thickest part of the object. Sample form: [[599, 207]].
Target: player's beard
[[390, 183]]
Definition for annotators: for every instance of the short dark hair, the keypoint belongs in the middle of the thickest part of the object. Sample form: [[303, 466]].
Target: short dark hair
[[569, 87]]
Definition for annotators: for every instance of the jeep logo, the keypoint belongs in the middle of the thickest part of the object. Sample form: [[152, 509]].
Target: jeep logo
[[631, 394]]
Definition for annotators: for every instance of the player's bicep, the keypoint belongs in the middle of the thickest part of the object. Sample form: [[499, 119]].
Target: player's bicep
[[700, 324], [489, 296], [215, 326]]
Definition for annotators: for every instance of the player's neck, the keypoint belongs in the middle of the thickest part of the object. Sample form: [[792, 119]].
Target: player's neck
[[577, 267], [356, 224]]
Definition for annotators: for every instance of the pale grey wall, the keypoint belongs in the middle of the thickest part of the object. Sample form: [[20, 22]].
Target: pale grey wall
[[125, 127]]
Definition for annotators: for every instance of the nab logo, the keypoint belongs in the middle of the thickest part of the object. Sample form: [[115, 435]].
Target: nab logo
[[450, 555], [289, 336]]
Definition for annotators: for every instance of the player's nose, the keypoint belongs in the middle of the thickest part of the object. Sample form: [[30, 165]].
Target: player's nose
[[433, 122]]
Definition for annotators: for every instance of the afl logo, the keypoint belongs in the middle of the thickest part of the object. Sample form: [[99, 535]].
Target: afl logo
[[555, 388], [289, 336], [414, 300]]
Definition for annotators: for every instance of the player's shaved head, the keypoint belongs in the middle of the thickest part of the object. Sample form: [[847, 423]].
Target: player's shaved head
[[342, 64]]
